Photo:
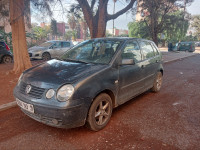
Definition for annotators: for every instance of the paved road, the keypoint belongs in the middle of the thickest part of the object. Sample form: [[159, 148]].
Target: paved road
[[169, 119]]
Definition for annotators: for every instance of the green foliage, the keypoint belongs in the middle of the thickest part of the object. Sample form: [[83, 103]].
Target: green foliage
[[196, 25], [7, 37], [138, 30], [190, 38], [39, 33], [175, 27], [71, 35]]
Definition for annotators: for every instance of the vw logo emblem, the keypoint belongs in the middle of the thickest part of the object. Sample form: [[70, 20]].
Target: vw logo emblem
[[28, 89]]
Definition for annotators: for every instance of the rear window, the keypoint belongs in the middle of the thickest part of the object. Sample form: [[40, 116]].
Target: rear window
[[65, 44]]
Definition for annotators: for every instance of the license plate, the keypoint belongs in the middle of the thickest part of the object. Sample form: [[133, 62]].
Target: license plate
[[25, 106]]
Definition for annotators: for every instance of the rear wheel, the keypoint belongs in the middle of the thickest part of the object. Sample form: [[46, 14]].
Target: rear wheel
[[7, 59], [46, 56], [100, 112], [158, 82]]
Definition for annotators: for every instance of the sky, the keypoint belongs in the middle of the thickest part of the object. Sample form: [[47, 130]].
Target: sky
[[120, 23]]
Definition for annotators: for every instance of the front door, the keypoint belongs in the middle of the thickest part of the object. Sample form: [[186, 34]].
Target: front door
[[130, 76]]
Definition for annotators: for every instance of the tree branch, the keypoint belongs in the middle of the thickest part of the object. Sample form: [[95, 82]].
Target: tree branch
[[92, 4], [114, 16], [86, 9]]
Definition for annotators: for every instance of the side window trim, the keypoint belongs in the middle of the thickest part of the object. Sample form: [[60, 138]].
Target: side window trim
[[149, 42], [155, 47], [131, 41]]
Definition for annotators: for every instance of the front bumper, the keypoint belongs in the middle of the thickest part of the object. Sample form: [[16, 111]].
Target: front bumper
[[35, 55], [73, 114]]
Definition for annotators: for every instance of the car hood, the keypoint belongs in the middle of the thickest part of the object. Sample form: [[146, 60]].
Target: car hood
[[37, 48], [56, 72]]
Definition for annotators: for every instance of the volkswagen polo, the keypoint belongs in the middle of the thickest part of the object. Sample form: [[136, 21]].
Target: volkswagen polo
[[88, 81]]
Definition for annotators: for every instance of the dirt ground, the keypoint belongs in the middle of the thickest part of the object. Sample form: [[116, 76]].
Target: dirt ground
[[8, 82], [167, 120]]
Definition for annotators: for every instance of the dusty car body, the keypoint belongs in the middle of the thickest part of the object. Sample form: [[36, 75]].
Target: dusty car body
[[49, 50], [89, 81]]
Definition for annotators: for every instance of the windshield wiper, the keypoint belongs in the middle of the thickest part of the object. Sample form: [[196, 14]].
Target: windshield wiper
[[74, 60]]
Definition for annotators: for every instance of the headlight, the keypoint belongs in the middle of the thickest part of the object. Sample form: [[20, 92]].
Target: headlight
[[19, 80], [50, 93], [65, 92]]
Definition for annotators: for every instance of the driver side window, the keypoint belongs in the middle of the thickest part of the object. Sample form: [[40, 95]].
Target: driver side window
[[132, 51]]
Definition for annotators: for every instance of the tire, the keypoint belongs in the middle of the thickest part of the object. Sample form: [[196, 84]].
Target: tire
[[100, 112], [7, 59], [46, 56], [157, 83]]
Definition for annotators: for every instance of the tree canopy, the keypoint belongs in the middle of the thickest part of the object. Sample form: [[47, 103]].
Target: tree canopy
[[155, 14], [196, 25]]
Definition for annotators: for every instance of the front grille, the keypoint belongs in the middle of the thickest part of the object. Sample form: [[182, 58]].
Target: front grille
[[35, 92], [30, 54]]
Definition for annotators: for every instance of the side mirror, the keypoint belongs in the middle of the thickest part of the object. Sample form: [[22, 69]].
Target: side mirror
[[128, 62]]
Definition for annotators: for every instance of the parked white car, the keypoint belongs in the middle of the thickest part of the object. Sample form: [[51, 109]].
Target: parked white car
[[49, 49]]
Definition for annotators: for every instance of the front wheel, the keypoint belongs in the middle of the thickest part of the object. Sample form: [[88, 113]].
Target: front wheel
[[46, 56], [7, 59], [100, 112], [158, 82]]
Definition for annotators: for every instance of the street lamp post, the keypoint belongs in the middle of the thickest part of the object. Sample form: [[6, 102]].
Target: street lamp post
[[114, 19]]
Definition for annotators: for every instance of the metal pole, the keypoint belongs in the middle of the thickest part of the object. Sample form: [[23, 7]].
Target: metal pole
[[113, 19]]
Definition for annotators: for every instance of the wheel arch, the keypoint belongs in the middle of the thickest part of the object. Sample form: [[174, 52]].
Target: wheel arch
[[110, 93]]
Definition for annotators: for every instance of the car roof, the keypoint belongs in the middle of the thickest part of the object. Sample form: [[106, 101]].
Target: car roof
[[58, 41], [120, 38]]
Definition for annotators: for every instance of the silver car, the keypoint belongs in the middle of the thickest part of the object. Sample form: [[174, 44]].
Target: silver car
[[49, 49]]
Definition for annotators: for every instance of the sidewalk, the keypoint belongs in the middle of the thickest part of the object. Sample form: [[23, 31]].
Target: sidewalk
[[173, 56], [167, 57]]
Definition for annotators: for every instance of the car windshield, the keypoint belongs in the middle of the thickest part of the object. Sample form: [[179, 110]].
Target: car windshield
[[93, 51], [46, 44]]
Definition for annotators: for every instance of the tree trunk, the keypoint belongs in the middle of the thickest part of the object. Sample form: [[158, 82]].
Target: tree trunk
[[21, 57], [102, 20], [155, 38]]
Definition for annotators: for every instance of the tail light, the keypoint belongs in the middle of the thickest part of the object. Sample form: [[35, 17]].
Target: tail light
[[7, 47]]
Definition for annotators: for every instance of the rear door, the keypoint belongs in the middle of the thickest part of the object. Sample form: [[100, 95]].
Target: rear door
[[131, 80], [151, 60], [56, 49], [64, 47]]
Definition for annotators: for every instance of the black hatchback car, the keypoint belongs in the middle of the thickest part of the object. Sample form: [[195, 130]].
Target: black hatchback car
[[88, 81], [5, 54]]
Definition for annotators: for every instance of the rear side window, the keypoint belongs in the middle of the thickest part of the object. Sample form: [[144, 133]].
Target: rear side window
[[65, 44], [155, 49], [2, 45], [132, 51], [147, 49]]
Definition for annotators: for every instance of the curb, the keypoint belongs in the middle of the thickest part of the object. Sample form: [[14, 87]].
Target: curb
[[173, 60], [8, 105], [14, 104]]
